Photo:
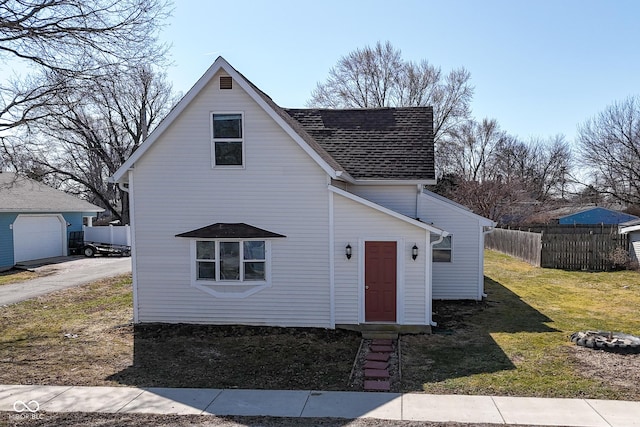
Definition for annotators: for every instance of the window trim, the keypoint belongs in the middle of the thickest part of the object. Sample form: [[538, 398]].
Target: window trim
[[449, 249], [215, 286], [241, 140]]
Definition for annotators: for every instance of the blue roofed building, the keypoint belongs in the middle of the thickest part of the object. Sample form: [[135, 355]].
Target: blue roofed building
[[36, 220], [596, 215]]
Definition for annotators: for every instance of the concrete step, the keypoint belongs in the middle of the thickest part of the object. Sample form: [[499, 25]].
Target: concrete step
[[385, 335]]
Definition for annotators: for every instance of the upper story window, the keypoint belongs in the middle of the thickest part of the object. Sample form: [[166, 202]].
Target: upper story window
[[442, 250], [227, 142]]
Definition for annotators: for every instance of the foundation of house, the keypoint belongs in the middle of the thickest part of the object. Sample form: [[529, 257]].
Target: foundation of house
[[386, 330]]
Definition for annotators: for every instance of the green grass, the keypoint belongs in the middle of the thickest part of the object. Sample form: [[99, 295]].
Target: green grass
[[516, 342]]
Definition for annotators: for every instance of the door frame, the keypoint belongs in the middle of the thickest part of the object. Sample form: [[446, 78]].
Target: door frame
[[400, 259]]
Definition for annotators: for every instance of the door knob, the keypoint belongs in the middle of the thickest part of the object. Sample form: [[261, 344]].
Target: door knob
[[366, 287]]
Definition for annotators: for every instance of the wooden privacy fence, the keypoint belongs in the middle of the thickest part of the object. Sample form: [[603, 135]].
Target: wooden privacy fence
[[589, 248], [523, 245]]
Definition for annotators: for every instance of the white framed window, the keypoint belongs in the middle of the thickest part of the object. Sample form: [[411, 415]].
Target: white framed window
[[442, 252], [231, 261], [227, 140]]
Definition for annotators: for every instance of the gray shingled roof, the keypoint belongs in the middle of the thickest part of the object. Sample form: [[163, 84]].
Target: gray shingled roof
[[230, 231], [20, 194], [381, 143], [296, 126]]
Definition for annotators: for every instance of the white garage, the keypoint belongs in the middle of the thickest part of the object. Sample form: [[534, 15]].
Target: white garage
[[39, 236]]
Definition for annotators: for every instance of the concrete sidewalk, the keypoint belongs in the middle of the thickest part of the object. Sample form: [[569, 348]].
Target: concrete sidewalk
[[30, 399]]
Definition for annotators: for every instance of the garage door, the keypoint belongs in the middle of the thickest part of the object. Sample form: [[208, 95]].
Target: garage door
[[38, 236]]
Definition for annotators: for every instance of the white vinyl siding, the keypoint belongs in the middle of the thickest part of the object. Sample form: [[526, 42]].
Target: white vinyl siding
[[280, 189], [356, 223], [460, 278], [400, 198]]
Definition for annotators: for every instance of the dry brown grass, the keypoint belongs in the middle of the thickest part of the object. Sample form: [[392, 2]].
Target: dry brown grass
[[16, 276]]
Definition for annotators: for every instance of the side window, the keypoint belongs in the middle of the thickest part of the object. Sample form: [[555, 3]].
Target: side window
[[227, 142], [231, 261], [442, 250]]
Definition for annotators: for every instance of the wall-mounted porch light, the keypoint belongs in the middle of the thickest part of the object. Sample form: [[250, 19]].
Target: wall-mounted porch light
[[347, 251], [414, 252]]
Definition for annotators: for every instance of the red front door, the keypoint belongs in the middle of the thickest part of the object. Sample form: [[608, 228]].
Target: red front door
[[380, 281]]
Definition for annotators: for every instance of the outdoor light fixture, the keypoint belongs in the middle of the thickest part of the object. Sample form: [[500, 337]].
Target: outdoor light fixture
[[347, 251], [414, 252]]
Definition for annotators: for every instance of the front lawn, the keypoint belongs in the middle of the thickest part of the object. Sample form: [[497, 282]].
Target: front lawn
[[516, 342], [83, 336]]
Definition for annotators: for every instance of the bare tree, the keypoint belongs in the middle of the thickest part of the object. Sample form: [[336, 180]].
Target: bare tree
[[471, 150], [87, 134], [65, 42], [501, 201], [374, 77], [543, 167], [499, 176], [610, 145]]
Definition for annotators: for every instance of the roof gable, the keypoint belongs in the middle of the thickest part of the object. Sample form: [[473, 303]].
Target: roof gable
[[290, 126], [485, 222], [380, 143], [20, 194], [428, 227]]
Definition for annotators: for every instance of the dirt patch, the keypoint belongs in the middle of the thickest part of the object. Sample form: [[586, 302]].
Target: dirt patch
[[113, 420], [239, 357], [617, 369]]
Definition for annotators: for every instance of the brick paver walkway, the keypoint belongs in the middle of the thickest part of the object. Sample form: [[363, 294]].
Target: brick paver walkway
[[376, 367]]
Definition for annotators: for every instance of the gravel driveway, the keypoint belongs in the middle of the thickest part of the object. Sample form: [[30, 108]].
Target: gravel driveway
[[61, 273]]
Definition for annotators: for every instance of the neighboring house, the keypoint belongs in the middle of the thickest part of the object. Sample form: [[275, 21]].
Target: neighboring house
[[246, 213], [35, 219], [596, 215], [632, 228]]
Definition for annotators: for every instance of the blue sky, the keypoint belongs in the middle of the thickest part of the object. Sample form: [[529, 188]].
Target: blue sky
[[539, 67]]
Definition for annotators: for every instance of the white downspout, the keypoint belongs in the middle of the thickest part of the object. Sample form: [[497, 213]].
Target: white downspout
[[481, 278], [418, 200], [429, 266]]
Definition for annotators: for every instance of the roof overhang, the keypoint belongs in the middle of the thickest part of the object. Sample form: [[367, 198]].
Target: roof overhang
[[395, 181], [230, 231], [629, 229], [50, 211]]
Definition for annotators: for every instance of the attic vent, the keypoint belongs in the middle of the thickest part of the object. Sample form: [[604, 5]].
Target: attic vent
[[226, 82]]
